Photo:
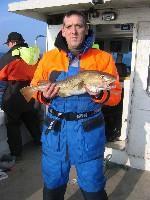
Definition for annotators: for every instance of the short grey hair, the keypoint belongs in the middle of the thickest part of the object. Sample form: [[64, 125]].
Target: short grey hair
[[76, 12]]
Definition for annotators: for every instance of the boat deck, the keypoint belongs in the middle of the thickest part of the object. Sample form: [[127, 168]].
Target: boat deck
[[24, 181]]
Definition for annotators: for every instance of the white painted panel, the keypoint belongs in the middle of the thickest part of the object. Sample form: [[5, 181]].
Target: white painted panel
[[52, 32], [141, 100], [144, 30], [139, 137], [118, 156], [121, 157], [139, 133], [126, 109]]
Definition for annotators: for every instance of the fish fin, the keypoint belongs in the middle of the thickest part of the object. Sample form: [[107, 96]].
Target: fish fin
[[27, 92], [61, 94]]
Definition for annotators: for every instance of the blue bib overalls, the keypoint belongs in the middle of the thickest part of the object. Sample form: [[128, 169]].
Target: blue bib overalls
[[79, 142]]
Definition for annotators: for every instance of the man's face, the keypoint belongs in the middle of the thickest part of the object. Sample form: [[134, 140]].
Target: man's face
[[74, 31], [10, 44]]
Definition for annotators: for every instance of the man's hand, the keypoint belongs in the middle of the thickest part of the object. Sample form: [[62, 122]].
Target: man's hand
[[96, 95], [50, 91], [91, 93]]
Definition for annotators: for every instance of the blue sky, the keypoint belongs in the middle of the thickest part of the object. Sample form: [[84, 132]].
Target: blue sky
[[28, 27]]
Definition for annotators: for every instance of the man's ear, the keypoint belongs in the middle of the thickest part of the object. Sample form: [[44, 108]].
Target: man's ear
[[63, 32]]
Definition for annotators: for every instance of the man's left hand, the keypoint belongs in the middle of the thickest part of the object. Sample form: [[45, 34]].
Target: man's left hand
[[96, 94]]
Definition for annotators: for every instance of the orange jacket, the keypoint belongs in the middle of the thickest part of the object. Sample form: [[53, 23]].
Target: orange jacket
[[93, 59], [17, 70]]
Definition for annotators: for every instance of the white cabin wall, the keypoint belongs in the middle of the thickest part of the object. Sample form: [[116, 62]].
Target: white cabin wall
[[136, 114], [52, 31], [139, 133]]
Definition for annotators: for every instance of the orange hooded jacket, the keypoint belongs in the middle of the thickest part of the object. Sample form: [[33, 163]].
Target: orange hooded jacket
[[93, 59]]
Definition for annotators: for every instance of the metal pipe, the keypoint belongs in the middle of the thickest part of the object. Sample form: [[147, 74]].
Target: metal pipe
[[38, 36]]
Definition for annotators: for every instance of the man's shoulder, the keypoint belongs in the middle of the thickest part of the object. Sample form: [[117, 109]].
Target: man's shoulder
[[51, 52], [99, 52]]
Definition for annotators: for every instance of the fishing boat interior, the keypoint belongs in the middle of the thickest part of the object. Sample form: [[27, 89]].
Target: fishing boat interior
[[117, 39]]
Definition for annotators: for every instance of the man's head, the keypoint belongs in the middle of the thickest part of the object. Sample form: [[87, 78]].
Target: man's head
[[13, 39], [74, 29]]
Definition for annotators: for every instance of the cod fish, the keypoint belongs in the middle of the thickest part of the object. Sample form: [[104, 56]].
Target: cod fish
[[94, 81]]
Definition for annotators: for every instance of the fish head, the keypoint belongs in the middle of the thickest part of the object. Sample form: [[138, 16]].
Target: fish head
[[107, 78], [97, 81], [98, 77]]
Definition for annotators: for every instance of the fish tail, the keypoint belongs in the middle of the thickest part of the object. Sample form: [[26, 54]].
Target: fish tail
[[27, 92]]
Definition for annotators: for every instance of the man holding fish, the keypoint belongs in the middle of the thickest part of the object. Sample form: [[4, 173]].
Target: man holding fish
[[81, 80]]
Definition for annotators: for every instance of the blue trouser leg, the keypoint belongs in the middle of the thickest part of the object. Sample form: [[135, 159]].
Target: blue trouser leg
[[91, 179], [54, 194], [56, 175], [91, 175]]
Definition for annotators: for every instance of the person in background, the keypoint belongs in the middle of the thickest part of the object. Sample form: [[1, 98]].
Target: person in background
[[66, 139], [17, 67], [113, 115], [121, 67]]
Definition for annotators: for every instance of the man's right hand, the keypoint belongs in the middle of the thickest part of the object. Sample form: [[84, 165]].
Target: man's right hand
[[50, 91]]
